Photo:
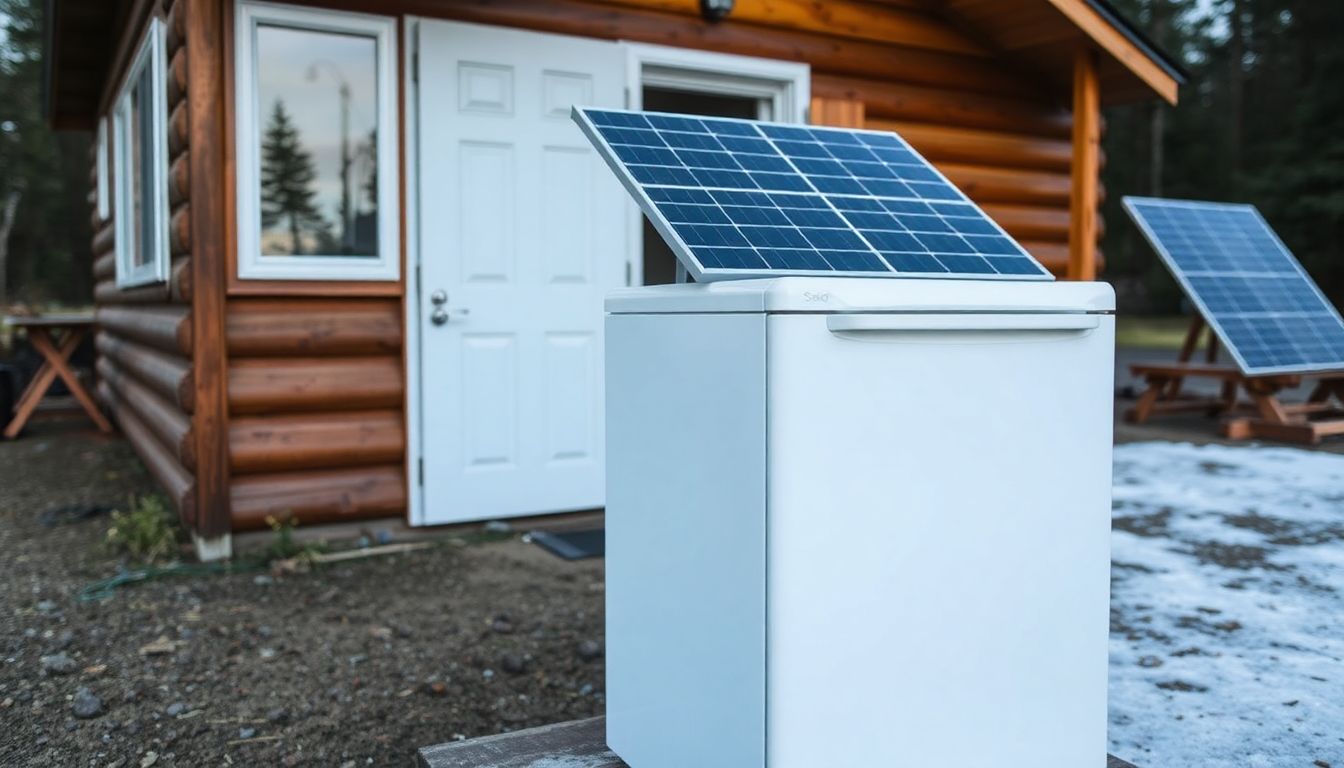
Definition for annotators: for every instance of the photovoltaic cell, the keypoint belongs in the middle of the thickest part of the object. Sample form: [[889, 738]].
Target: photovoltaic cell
[[737, 198], [1266, 310]]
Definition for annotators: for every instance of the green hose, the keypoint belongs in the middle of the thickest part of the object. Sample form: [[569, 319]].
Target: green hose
[[104, 589]]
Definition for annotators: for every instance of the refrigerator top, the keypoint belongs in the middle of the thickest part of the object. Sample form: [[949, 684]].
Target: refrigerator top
[[831, 295]]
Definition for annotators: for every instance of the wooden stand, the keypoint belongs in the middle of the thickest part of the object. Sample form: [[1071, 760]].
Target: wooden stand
[[579, 744], [1262, 416], [42, 334]]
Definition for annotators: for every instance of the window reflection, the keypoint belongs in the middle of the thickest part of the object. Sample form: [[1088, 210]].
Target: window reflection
[[318, 124]]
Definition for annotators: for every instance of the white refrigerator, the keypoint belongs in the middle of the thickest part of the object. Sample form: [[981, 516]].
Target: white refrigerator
[[858, 523]]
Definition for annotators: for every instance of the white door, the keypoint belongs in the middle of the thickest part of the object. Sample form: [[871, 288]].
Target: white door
[[522, 231]]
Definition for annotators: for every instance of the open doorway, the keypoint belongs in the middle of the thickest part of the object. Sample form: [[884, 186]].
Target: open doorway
[[715, 85], [660, 265]]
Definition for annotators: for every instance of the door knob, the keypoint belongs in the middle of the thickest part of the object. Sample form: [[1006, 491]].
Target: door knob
[[439, 316], [438, 298]]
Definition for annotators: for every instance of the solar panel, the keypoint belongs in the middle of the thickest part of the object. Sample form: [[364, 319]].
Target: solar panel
[[738, 198], [1264, 307]]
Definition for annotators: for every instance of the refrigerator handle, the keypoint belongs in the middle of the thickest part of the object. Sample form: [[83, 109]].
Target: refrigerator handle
[[969, 322]]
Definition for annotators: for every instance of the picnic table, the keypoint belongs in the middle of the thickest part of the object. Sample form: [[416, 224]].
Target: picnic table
[[55, 337], [577, 744]]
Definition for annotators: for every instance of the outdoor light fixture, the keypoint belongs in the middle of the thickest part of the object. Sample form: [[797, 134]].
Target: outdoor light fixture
[[714, 10]]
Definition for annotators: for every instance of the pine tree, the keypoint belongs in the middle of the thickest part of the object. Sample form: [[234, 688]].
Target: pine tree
[[287, 176]]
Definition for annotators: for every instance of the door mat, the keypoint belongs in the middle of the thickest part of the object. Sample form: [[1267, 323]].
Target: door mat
[[572, 545]]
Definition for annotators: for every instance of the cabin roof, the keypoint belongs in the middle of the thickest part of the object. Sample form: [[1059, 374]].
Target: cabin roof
[[1042, 35]]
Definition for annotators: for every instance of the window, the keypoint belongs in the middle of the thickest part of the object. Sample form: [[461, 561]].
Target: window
[[140, 148], [317, 145], [104, 193]]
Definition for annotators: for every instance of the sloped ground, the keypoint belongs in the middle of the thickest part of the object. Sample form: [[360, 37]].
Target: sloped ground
[[1227, 607], [355, 664]]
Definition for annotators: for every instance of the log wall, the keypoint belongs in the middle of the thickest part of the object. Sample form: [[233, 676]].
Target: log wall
[[316, 417], [145, 339]]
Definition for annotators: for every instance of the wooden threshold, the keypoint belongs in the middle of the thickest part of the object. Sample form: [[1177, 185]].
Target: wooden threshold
[[580, 743]]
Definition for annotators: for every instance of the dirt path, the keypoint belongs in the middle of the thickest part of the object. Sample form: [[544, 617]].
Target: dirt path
[[354, 664]]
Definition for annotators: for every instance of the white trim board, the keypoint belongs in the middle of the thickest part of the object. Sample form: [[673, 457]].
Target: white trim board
[[252, 265]]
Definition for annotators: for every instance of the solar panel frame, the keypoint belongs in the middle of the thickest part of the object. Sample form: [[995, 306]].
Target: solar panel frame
[[1133, 206], [685, 252]]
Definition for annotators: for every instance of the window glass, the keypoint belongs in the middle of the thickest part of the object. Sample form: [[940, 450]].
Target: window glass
[[317, 124], [140, 167]]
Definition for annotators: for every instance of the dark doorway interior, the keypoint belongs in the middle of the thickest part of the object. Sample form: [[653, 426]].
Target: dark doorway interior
[[660, 266]]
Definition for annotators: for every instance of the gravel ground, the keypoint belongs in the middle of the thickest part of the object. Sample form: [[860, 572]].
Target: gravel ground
[[358, 663]]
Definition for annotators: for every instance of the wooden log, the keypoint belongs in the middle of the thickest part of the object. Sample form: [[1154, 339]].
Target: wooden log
[[979, 147], [1084, 189], [263, 385], [840, 18], [178, 130], [1002, 185], [165, 328], [945, 105], [165, 374], [105, 267], [105, 238], [107, 292], [315, 497], [1032, 222], [179, 181], [823, 53], [580, 743], [171, 476], [837, 113], [181, 281], [288, 327], [179, 231], [175, 31], [168, 424], [177, 78], [204, 24], [316, 441]]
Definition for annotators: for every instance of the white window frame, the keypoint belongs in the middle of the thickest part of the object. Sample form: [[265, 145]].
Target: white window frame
[[153, 190], [784, 89], [104, 193], [252, 264]]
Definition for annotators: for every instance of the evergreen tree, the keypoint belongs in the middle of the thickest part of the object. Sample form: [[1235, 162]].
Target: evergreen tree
[[287, 176]]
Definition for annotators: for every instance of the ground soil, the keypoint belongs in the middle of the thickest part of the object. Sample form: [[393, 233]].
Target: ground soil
[[357, 663]]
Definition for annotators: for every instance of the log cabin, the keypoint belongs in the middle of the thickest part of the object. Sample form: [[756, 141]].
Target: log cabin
[[350, 255]]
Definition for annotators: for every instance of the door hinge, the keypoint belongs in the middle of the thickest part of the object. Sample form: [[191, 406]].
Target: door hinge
[[629, 273], [420, 471], [415, 66]]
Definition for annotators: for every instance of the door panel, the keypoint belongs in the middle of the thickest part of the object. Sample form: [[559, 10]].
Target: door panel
[[523, 231]]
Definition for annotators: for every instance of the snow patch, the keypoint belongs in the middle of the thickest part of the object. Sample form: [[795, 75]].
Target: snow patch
[[1227, 606]]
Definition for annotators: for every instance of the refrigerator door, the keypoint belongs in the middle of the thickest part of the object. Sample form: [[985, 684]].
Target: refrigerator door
[[939, 514]]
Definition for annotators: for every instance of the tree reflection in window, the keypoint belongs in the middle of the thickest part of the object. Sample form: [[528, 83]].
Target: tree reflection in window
[[318, 153]]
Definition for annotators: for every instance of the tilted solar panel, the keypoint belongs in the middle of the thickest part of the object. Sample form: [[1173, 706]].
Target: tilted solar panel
[[1266, 310], [737, 198]]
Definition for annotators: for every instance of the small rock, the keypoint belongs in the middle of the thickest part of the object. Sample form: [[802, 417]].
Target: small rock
[[263, 580], [57, 664], [501, 625], [401, 630], [246, 733], [1150, 661], [586, 689], [65, 639], [380, 633], [85, 705], [149, 759], [436, 688], [488, 674], [158, 647], [498, 526], [46, 606], [266, 654], [589, 650], [513, 663], [277, 716], [175, 709]]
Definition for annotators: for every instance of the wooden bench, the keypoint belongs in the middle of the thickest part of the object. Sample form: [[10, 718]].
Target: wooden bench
[[578, 744]]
